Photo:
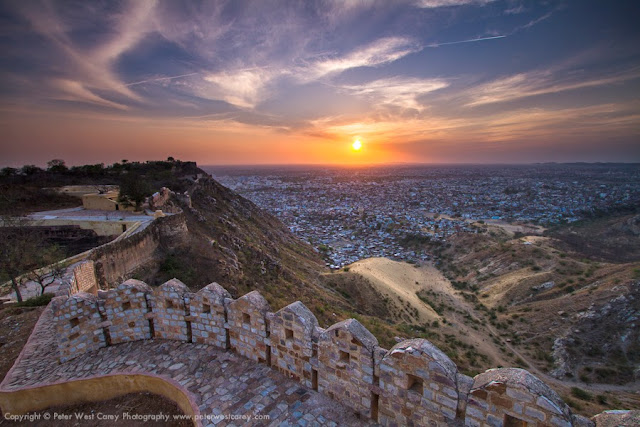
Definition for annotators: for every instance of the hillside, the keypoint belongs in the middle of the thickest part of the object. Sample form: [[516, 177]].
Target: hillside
[[496, 297], [537, 292], [233, 242]]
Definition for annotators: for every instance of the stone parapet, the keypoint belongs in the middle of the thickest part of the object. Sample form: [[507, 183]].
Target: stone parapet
[[125, 308], [170, 304], [79, 325], [208, 310], [292, 344], [414, 383], [418, 380], [247, 321]]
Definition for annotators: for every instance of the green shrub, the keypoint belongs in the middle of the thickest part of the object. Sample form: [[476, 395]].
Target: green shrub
[[573, 403], [43, 299], [580, 393]]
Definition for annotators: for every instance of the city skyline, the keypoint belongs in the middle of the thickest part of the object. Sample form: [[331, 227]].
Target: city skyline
[[430, 81]]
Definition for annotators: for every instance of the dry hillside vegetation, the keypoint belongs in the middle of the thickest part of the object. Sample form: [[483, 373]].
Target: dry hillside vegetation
[[554, 310], [499, 298]]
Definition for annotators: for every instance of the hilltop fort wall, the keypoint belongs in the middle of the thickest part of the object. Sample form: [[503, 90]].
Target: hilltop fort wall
[[110, 264], [414, 383], [115, 261]]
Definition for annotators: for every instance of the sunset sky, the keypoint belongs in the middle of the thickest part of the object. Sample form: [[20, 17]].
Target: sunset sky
[[433, 81]]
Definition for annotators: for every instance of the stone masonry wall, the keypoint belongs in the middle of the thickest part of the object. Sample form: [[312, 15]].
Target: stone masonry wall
[[420, 382], [80, 277], [346, 364], [504, 395], [248, 326], [126, 308], [208, 309], [79, 325], [414, 383], [117, 260], [170, 310], [84, 276], [291, 336]]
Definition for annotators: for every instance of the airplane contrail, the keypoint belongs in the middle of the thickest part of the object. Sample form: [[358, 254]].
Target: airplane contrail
[[157, 79], [466, 41]]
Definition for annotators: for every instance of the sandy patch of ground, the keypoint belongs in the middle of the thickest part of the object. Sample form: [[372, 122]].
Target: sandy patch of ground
[[536, 239], [506, 282], [400, 281], [514, 228]]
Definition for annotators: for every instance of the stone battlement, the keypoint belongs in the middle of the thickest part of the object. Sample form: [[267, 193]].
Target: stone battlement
[[413, 383]]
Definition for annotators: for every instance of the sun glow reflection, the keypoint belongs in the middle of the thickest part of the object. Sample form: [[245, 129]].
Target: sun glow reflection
[[357, 145]]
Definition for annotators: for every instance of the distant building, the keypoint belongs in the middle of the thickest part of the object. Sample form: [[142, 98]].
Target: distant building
[[104, 202]]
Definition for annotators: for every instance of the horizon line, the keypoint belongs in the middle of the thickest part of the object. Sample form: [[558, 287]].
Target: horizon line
[[414, 164]]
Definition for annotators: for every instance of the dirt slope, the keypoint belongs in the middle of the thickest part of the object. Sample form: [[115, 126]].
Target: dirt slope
[[401, 282]]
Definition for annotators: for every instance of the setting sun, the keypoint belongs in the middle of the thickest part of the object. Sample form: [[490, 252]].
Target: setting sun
[[357, 145]]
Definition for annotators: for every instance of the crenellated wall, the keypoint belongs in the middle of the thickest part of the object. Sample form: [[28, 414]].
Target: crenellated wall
[[170, 302], [414, 383], [514, 394], [292, 343], [418, 380], [79, 326], [247, 325], [127, 309], [346, 363], [208, 309]]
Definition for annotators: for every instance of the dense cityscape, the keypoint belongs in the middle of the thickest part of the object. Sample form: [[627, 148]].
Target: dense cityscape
[[354, 213]]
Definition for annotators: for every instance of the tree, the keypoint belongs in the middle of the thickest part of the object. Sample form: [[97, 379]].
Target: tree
[[30, 170], [8, 171], [45, 276], [23, 253], [57, 166], [133, 190], [17, 245]]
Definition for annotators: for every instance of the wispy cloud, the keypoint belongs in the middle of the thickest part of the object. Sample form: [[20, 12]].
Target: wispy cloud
[[560, 123], [432, 4], [515, 10], [381, 51], [92, 69], [247, 87], [243, 88], [398, 91], [541, 82], [501, 129], [537, 20], [70, 90]]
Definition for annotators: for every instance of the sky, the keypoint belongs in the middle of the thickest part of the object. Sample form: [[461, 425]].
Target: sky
[[297, 82]]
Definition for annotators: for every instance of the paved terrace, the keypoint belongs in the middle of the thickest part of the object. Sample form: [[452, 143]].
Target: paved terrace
[[219, 382], [82, 214]]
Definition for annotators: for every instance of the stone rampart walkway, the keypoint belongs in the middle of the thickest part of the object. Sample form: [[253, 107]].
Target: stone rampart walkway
[[220, 382]]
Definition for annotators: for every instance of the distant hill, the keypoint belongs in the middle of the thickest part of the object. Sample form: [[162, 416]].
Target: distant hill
[[612, 237]]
